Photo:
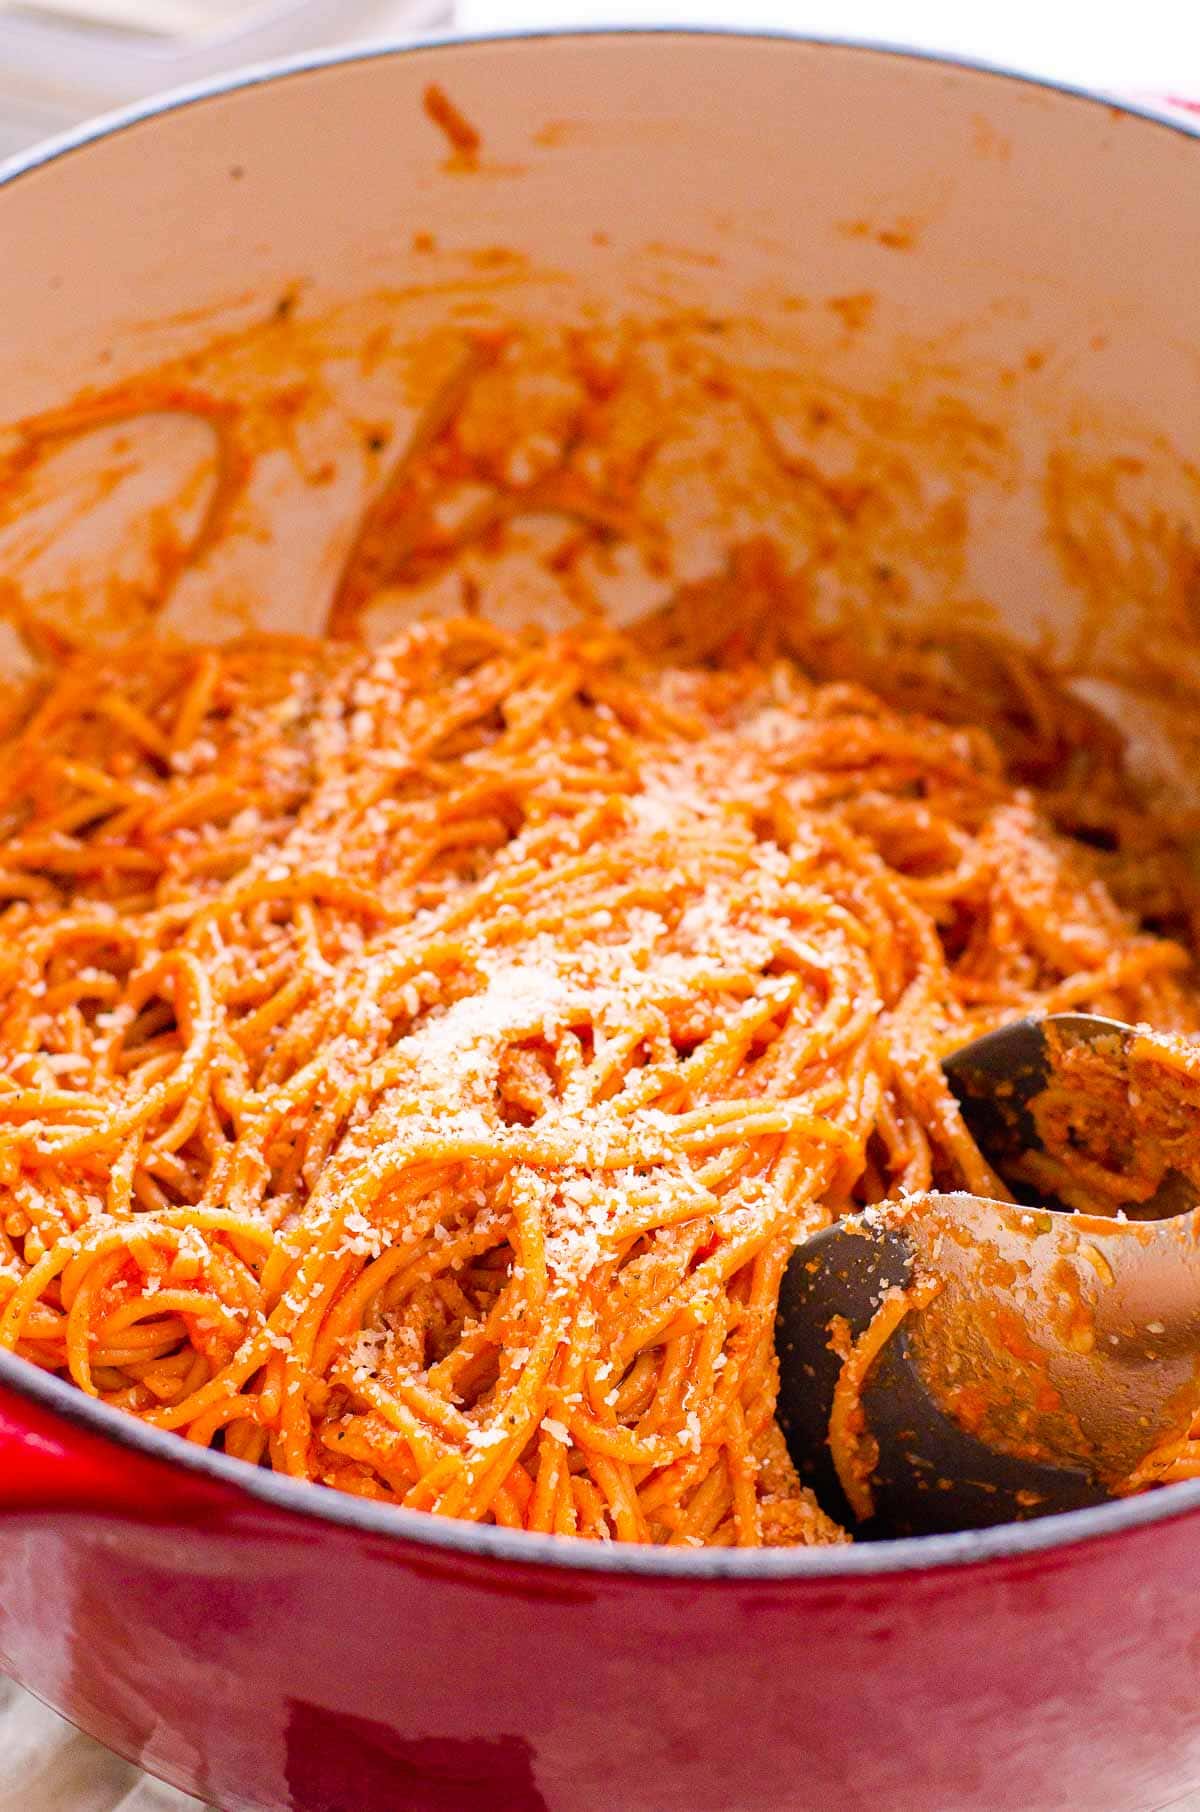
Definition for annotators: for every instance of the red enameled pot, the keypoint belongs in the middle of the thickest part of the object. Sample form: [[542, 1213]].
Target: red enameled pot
[[997, 285]]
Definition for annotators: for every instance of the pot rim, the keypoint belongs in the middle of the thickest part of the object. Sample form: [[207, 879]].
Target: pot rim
[[1007, 1541], [919, 1553], [372, 50]]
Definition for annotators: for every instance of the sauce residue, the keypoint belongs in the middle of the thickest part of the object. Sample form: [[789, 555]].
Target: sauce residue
[[464, 138]]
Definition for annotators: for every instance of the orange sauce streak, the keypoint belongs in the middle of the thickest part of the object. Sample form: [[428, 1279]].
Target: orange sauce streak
[[854, 1451], [462, 135]]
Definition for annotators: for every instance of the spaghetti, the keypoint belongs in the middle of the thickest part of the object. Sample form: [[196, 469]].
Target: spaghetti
[[419, 1064]]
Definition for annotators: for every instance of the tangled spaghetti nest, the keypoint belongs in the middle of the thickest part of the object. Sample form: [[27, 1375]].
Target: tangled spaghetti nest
[[420, 1064]]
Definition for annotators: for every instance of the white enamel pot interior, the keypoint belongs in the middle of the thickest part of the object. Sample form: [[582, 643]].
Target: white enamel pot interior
[[990, 286]]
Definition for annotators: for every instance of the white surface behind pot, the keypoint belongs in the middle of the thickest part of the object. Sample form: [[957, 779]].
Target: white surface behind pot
[[1154, 46], [46, 1766]]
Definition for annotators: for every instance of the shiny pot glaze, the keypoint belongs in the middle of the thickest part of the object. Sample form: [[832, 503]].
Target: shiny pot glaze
[[249, 1648], [272, 1647]]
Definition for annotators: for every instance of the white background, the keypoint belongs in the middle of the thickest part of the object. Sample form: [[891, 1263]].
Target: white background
[[1150, 45]]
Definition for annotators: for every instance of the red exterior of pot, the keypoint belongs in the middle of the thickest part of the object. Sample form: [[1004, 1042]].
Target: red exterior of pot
[[268, 1660]]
